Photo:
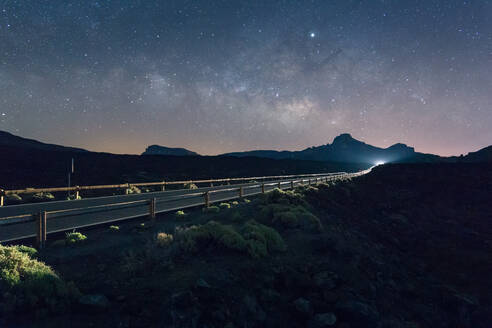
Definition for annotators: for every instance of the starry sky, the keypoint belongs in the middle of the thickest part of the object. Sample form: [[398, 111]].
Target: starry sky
[[220, 76]]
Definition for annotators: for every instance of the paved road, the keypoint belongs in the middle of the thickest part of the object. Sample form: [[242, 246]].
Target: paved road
[[18, 221]]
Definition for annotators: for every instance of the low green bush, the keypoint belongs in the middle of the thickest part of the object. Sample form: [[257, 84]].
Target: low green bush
[[254, 239], [235, 203], [74, 197], [13, 199], [164, 239], [180, 214], [288, 209], [190, 186], [114, 228], [211, 209], [72, 238], [133, 190], [196, 237], [42, 197], [246, 201], [224, 205], [32, 252], [27, 283], [262, 240]]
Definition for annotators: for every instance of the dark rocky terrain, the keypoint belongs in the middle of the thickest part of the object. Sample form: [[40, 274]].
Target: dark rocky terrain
[[403, 246]]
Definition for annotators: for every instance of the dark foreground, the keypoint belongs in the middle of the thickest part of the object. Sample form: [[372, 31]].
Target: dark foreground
[[404, 246]]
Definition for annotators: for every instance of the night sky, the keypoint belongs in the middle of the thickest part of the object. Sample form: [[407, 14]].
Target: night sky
[[219, 76]]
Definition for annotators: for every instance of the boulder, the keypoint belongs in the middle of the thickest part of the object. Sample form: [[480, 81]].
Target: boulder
[[322, 320]]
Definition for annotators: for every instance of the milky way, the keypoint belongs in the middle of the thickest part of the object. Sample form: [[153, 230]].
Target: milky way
[[219, 76]]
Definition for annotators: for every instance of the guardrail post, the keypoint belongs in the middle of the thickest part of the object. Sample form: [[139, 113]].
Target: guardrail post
[[1, 200], [163, 187], [41, 230], [152, 203], [206, 195], [241, 192], [262, 188], [279, 185], [292, 185]]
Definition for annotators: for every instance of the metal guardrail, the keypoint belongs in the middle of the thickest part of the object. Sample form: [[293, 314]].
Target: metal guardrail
[[73, 215], [162, 184]]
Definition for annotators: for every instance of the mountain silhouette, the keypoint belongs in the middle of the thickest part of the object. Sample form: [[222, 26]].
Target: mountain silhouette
[[344, 148], [161, 150], [10, 140]]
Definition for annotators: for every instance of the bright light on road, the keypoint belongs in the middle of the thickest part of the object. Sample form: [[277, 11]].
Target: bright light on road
[[379, 163]]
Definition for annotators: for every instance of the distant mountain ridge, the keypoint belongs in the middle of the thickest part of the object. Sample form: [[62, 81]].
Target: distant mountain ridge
[[161, 150], [10, 140], [344, 148]]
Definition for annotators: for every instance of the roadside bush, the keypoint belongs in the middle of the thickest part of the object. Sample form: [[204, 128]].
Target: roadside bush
[[190, 186], [73, 238], [212, 233], [27, 283], [246, 201], [296, 217], [254, 239], [211, 209], [163, 239], [133, 190], [32, 252], [288, 209], [235, 203], [114, 228], [42, 197], [180, 214], [74, 197], [224, 205], [288, 197], [13, 199], [262, 240]]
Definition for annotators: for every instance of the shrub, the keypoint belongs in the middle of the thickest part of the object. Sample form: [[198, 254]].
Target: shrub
[[13, 199], [133, 190], [72, 238], [235, 203], [142, 226], [246, 201], [254, 239], [224, 205], [28, 283], [211, 209], [180, 214], [163, 239], [114, 228], [74, 197], [262, 240], [289, 197], [212, 233], [32, 252], [297, 217], [190, 186], [42, 197], [288, 209]]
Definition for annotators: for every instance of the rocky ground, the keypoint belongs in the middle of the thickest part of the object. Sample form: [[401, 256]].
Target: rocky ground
[[404, 246]]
